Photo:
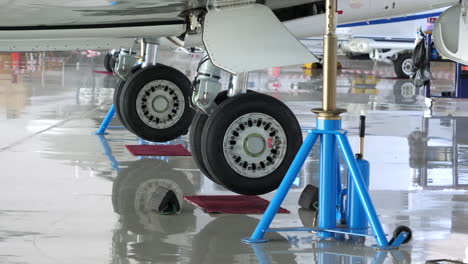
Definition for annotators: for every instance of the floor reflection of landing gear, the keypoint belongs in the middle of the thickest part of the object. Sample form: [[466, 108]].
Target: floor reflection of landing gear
[[429, 102], [154, 103], [247, 143]]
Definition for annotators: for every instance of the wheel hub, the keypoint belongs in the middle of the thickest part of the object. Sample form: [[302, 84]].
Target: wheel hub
[[254, 145], [160, 104], [407, 66]]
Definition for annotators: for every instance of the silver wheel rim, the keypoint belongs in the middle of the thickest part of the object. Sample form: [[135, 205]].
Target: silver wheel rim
[[254, 145], [143, 194], [407, 66], [408, 90], [160, 104]]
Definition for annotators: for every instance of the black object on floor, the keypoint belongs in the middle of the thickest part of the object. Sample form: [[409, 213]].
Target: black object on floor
[[164, 201], [309, 198]]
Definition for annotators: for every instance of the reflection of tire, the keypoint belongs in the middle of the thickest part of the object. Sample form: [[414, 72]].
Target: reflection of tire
[[403, 65], [210, 244], [405, 92], [155, 103], [249, 141], [133, 186]]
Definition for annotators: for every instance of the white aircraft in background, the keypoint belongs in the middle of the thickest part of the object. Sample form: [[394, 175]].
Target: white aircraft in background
[[242, 140], [388, 40]]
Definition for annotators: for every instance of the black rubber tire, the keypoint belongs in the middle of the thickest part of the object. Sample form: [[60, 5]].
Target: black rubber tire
[[128, 103], [221, 119], [109, 62], [399, 230], [195, 133], [118, 93], [398, 65], [309, 197]]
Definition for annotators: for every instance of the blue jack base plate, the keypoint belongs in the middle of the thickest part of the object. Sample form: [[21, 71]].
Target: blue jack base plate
[[249, 240], [364, 232], [375, 246], [100, 134]]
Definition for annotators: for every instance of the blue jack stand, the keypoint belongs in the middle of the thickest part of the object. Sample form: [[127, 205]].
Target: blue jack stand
[[331, 137], [106, 121], [334, 219]]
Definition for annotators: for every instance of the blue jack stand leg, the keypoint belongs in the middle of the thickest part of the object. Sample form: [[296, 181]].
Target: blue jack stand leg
[[328, 177], [262, 227], [105, 123], [363, 194]]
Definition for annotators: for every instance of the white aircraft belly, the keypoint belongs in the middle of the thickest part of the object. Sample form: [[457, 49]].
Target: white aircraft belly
[[22, 13]]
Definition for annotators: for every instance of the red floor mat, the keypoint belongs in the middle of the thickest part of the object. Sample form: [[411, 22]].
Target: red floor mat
[[231, 204], [158, 150]]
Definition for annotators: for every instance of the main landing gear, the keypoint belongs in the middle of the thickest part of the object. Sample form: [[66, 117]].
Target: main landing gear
[[152, 100], [154, 103], [247, 141], [242, 140]]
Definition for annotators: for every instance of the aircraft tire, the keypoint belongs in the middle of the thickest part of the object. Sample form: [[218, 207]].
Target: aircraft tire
[[109, 62], [118, 93], [154, 103], [195, 133], [403, 65], [249, 142]]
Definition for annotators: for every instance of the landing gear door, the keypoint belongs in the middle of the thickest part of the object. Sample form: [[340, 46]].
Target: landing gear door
[[248, 38], [451, 33]]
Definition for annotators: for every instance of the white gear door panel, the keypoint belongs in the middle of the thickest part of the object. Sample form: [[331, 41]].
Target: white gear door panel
[[451, 34], [248, 38]]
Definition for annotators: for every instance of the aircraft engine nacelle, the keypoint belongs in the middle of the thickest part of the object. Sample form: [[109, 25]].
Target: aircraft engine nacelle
[[451, 33]]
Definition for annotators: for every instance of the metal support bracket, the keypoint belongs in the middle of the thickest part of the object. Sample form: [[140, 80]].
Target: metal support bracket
[[124, 64], [206, 85]]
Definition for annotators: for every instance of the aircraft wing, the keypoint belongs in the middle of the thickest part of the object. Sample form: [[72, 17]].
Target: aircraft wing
[[77, 24]]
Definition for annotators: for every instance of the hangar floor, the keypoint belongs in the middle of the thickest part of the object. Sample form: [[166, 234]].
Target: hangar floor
[[64, 199]]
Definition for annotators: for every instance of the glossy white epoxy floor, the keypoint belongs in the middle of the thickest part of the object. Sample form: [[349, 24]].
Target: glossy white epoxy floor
[[65, 199]]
